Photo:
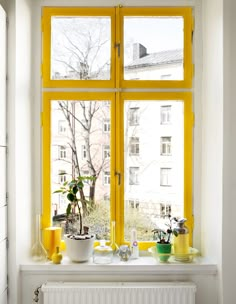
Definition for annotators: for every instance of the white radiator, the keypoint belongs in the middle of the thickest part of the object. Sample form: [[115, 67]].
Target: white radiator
[[118, 293]]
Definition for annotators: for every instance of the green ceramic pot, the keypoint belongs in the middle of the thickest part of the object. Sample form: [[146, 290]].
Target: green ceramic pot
[[163, 250]]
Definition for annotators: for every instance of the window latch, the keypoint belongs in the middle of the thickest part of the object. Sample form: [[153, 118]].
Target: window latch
[[117, 45], [119, 177]]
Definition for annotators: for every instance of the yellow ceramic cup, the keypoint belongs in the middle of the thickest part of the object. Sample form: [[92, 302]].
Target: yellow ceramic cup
[[51, 240]]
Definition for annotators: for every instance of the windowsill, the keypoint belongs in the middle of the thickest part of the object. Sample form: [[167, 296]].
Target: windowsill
[[141, 266]]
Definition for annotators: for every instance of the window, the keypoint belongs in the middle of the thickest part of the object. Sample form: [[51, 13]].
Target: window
[[134, 146], [133, 175], [106, 126], [165, 114], [83, 152], [106, 151], [134, 116], [108, 104], [165, 210], [134, 203], [62, 152], [61, 126], [165, 145], [106, 178], [62, 176], [165, 177]]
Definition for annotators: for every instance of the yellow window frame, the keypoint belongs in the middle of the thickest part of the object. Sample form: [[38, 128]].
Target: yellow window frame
[[186, 98], [113, 90], [47, 14], [117, 16], [184, 12], [46, 145]]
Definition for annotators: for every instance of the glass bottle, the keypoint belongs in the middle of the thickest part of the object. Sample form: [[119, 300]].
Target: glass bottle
[[181, 241], [113, 244], [38, 252]]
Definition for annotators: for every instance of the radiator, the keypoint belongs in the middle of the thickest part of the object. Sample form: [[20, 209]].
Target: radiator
[[118, 293]]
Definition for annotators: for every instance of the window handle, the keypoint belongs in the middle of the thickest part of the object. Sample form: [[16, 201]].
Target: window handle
[[119, 177], [117, 45]]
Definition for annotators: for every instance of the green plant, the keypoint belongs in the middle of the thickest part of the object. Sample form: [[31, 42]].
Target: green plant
[[73, 190], [163, 236]]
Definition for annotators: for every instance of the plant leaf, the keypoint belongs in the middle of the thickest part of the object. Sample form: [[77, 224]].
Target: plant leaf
[[68, 209], [70, 197]]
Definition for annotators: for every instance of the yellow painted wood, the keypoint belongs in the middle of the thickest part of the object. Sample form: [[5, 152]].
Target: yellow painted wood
[[186, 98], [117, 97], [184, 12], [48, 13]]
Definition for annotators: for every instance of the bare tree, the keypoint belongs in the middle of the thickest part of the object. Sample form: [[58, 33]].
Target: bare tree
[[77, 52]]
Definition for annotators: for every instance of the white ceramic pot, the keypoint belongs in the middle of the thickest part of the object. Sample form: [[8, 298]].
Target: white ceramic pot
[[79, 250]]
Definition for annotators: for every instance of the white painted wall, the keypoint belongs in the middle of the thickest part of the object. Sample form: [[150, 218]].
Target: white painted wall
[[20, 134], [218, 124], [229, 144]]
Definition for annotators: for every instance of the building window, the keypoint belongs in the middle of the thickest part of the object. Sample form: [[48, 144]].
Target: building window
[[134, 146], [165, 177], [106, 178], [62, 176], [166, 145], [134, 116], [134, 203], [106, 125], [134, 175], [165, 210], [165, 115], [62, 152], [83, 152], [62, 126], [106, 151]]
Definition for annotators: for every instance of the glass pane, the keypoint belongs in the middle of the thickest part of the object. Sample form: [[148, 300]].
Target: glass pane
[[80, 145], [153, 48], [154, 164], [80, 48]]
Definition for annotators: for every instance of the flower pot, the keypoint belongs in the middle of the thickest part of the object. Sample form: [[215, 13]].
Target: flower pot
[[79, 250], [163, 251]]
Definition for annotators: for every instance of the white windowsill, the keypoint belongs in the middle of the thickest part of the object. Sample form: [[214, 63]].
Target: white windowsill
[[141, 266]]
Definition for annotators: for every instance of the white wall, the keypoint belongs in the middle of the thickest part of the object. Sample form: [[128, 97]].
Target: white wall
[[229, 165], [19, 134], [217, 132]]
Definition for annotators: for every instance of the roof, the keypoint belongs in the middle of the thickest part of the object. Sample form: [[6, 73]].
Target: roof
[[159, 58]]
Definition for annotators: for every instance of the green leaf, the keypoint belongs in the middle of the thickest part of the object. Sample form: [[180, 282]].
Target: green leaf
[[71, 197], [75, 189], [58, 191], [80, 184], [68, 209]]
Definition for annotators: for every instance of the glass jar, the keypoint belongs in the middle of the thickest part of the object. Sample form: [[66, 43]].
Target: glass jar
[[102, 254], [181, 241]]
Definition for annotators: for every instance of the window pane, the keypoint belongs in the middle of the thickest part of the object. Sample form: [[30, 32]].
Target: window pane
[[154, 166], [80, 48], [84, 142], [153, 48]]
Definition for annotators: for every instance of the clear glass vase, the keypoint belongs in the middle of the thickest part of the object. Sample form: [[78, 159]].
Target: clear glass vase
[[38, 252]]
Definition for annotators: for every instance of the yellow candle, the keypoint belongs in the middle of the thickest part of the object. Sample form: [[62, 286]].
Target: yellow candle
[[51, 239]]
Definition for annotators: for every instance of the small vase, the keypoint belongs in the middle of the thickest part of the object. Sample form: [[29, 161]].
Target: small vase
[[112, 244], [38, 252], [163, 251]]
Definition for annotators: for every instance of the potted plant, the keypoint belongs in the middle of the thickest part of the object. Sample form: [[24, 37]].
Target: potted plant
[[163, 237], [79, 243]]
